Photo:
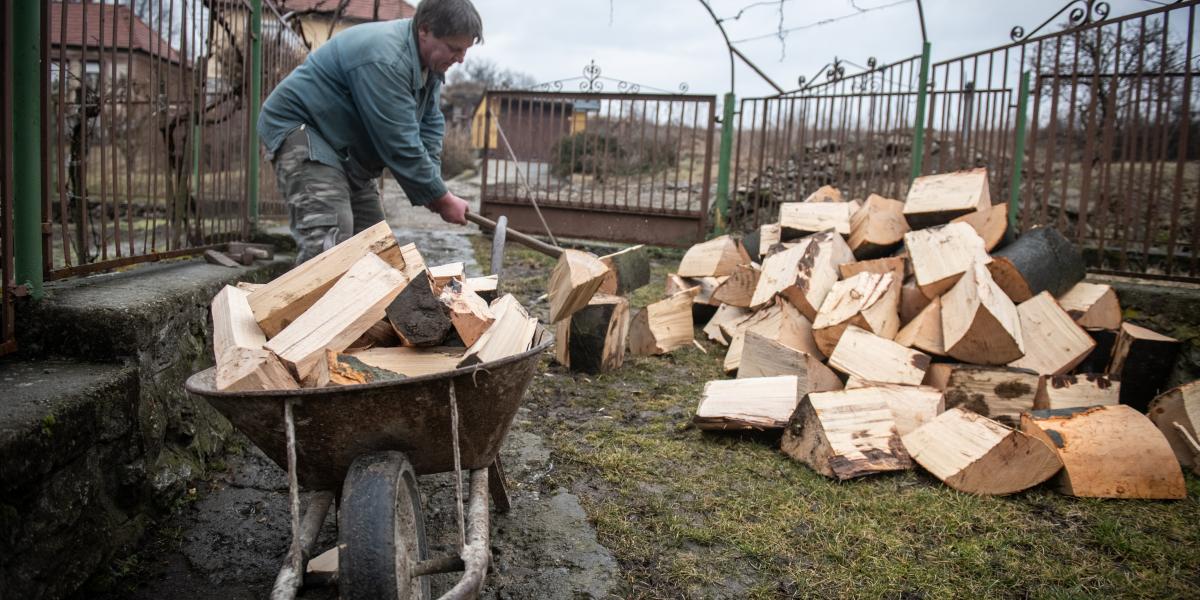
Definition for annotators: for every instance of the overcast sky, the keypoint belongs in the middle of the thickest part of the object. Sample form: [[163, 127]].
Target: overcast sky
[[663, 43]]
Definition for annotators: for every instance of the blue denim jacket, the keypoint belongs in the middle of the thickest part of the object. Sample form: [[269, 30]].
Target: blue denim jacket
[[366, 106]]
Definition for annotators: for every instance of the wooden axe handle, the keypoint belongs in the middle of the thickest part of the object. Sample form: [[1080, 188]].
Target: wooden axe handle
[[516, 236]]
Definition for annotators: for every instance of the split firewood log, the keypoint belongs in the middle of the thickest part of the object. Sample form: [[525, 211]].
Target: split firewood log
[[411, 362], [845, 434], [757, 403], [725, 314], [242, 363], [980, 324], [912, 301], [940, 256], [628, 270], [1054, 344], [469, 312], [1142, 360], [802, 218], [803, 274], [998, 393], [758, 242], [664, 325], [781, 322], [763, 356], [738, 288], [593, 339], [1093, 306], [486, 287], [864, 355], [512, 333], [877, 228], [1108, 452], [1041, 260], [896, 265], [348, 369], [990, 223], [575, 279], [924, 332], [1176, 413], [1057, 392], [974, 454], [867, 300], [826, 193], [443, 274], [936, 199], [714, 258]]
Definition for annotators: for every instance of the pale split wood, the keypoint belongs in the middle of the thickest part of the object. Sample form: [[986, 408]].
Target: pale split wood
[[469, 312], [486, 287], [803, 274], [977, 455], [663, 326], [1054, 344], [725, 314], [706, 287], [1076, 391], [769, 235], [912, 301], [940, 255], [912, 406], [781, 322], [355, 302], [800, 218], [1093, 306], [924, 332], [980, 323], [999, 393], [1176, 413], [990, 223], [867, 300], [738, 289], [412, 362], [233, 322], [714, 258], [826, 193], [510, 334], [896, 265], [1109, 452], [936, 199], [576, 277], [286, 297], [763, 356], [757, 403], [867, 356], [877, 227], [443, 274], [242, 369], [248, 286], [938, 375], [845, 434], [411, 259]]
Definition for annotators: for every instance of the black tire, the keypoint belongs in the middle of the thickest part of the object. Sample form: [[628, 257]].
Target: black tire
[[381, 533]]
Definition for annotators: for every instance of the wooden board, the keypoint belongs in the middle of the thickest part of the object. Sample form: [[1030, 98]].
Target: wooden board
[[663, 326], [872, 358], [1109, 452], [1093, 306], [575, 279], [802, 218], [417, 315], [999, 393], [1176, 413], [877, 228], [867, 300], [803, 274], [593, 339], [725, 314], [1054, 344], [758, 403], [412, 362], [1041, 260], [628, 270], [1142, 360], [977, 455], [990, 223], [253, 369], [924, 332], [845, 434], [351, 306], [980, 324], [287, 296], [941, 255], [936, 199], [763, 356], [233, 323], [738, 289], [1056, 392], [511, 334], [714, 258]]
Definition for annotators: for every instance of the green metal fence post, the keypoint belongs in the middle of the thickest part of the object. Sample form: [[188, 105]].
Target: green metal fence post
[[27, 126], [723, 165], [256, 68], [1014, 195], [918, 147]]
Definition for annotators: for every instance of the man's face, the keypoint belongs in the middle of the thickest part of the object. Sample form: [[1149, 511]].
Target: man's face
[[441, 53]]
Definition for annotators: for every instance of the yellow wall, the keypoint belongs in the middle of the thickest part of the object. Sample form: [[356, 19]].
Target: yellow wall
[[477, 125]]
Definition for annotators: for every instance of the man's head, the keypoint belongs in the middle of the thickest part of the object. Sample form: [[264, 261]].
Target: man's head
[[445, 30]]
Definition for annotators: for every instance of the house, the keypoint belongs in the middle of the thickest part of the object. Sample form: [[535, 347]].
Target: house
[[320, 20], [531, 124]]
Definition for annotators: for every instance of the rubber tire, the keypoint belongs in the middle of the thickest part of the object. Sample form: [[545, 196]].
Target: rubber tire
[[381, 534]]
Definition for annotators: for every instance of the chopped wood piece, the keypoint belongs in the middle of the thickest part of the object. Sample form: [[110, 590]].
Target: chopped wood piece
[[763, 356], [574, 280], [924, 332], [781, 322], [845, 434], [936, 199], [912, 406], [262, 251], [725, 314], [486, 287], [289, 295], [990, 223], [912, 301], [411, 362], [511, 333], [738, 289], [411, 260], [1054, 344], [253, 369], [706, 287], [803, 274], [1098, 360], [628, 270], [1093, 306], [877, 228], [867, 300], [757, 403], [826, 193], [1142, 361], [593, 339], [249, 287], [442, 274], [869, 357], [381, 334], [233, 323], [663, 326], [1041, 260], [339, 317], [1176, 413], [1108, 452], [469, 312], [802, 218], [417, 315], [1056, 392], [941, 255], [891, 264], [999, 393], [980, 324], [220, 258], [714, 258], [769, 236], [348, 369], [938, 375], [974, 454]]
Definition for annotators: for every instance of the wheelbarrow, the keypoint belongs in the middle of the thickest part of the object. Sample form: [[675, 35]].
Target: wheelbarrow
[[366, 444]]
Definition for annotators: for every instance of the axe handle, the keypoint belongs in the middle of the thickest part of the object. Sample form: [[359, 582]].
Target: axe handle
[[516, 236]]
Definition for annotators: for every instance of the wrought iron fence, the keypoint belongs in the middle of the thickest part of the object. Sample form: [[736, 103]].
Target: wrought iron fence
[[7, 277], [622, 167]]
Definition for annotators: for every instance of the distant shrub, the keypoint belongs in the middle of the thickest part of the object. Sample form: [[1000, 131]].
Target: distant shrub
[[457, 153], [604, 153]]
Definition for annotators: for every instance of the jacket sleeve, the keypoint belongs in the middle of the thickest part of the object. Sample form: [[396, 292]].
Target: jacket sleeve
[[389, 113], [433, 129]]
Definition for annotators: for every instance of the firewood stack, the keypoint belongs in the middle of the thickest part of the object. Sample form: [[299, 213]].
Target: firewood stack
[[909, 333], [365, 310]]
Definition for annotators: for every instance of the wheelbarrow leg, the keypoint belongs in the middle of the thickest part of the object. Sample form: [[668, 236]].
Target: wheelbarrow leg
[[304, 529], [498, 487]]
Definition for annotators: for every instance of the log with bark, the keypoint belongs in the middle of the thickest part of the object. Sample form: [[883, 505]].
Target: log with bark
[[936, 199], [574, 281], [1076, 391], [417, 315], [845, 434], [1142, 360], [1176, 413], [628, 270], [593, 339], [759, 403], [411, 362], [999, 393], [1041, 260]]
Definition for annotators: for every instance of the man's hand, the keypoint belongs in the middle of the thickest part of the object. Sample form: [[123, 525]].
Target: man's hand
[[452, 208]]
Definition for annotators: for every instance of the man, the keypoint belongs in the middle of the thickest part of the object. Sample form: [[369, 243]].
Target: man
[[365, 101]]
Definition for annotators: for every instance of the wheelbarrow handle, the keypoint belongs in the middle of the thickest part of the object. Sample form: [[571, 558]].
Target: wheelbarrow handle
[[517, 236]]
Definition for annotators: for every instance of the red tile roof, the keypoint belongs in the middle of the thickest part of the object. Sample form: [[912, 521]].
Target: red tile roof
[[143, 37], [358, 10]]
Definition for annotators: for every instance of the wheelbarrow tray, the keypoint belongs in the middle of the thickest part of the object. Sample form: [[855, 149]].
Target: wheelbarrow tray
[[335, 425]]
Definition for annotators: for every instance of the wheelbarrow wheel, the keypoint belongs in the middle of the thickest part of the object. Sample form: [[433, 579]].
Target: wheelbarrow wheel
[[380, 530]]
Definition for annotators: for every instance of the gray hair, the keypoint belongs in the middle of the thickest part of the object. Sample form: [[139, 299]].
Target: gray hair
[[445, 18]]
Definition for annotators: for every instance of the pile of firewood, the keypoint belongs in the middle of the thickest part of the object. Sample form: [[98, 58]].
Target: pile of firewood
[[365, 310], [884, 333]]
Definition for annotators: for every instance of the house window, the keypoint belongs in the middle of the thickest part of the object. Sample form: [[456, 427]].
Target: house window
[[91, 73]]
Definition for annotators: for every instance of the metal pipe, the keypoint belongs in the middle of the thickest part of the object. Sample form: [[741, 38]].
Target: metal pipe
[[723, 164], [1014, 197], [476, 555], [918, 149], [252, 151], [27, 143]]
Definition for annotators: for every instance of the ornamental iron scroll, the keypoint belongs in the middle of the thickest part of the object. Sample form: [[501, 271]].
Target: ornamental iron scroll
[[1087, 11], [836, 71], [593, 80]]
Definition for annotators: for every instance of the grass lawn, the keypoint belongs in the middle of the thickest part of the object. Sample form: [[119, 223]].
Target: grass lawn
[[695, 514]]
